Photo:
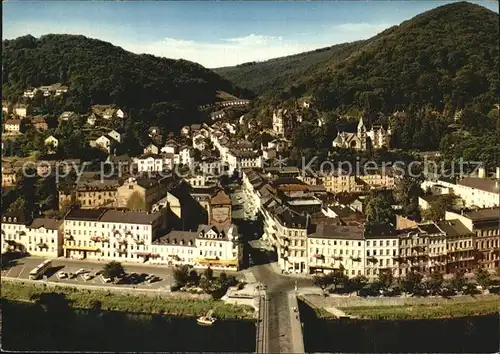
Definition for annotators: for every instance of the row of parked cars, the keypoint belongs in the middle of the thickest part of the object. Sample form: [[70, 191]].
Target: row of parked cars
[[85, 274], [132, 278]]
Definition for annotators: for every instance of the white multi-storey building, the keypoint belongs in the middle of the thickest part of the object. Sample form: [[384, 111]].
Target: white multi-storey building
[[40, 237]]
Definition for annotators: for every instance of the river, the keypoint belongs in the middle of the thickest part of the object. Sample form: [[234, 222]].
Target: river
[[28, 327], [456, 335]]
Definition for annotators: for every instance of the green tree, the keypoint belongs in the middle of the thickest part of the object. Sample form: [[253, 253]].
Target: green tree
[[434, 282], [482, 277], [458, 280], [136, 201], [385, 278], [379, 209], [113, 270], [438, 207], [18, 205], [209, 273], [411, 283], [181, 274], [357, 283]]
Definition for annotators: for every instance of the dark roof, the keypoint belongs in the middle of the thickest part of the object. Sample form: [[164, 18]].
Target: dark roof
[[483, 214], [85, 214], [15, 217], [430, 198], [287, 180], [429, 228], [180, 238], [51, 224], [130, 217], [290, 218], [380, 231], [338, 231], [453, 228], [484, 184]]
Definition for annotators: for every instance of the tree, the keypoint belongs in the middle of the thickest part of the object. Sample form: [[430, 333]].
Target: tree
[[113, 270], [136, 202], [385, 278], [412, 282], [320, 281], [458, 280], [379, 209], [434, 282], [181, 275], [19, 205], [482, 277], [223, 278], [208, 273], [357, 283], [193, 277], [438, 207], [406, 192]]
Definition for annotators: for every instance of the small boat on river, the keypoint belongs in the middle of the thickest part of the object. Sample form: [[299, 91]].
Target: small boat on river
[[207, 320]]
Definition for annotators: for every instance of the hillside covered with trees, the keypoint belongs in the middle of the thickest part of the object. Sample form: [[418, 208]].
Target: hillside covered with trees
[[446, 58], [98, 72], [281, 73]]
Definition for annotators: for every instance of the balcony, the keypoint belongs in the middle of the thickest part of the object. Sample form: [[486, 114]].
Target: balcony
[[139, 241], [96, 239], [318, 256], [356, 259], [372, 259], [42, 245], [338, 258]]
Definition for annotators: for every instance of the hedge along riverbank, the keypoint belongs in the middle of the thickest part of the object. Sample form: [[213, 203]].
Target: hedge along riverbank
[[483, 306], [128, 302]]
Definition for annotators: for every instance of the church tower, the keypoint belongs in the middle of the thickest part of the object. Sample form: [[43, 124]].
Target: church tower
[[362, 134]]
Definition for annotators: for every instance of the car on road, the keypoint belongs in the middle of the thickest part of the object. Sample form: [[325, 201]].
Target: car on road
[[153, 279], [99, 272], [81, 271], [62, 275], [87, 276], [105, 279]]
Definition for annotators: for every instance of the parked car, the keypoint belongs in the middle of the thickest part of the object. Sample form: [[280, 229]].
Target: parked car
[[105, 279], [87, 276], [72, 275], [81, 271], [99, 272], [62, 275]]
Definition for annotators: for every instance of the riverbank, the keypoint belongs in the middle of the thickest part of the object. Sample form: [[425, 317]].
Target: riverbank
[[400, 308], [474, 334], [168, 304]]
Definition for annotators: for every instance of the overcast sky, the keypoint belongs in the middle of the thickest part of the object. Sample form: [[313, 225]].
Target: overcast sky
[[213, 34]]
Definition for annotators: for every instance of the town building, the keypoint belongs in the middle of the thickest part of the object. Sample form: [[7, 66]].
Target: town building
[[23, 110], [15, 126], [108, 234], [41, 237]]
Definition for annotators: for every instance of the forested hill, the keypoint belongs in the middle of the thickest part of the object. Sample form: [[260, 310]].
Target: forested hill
[[98, 72], [446, 58], [281, 72]]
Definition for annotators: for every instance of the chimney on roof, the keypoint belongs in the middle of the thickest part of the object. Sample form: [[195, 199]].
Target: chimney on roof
[[481, 172]]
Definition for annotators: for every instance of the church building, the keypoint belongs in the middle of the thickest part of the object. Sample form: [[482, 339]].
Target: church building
[[376, 138]]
